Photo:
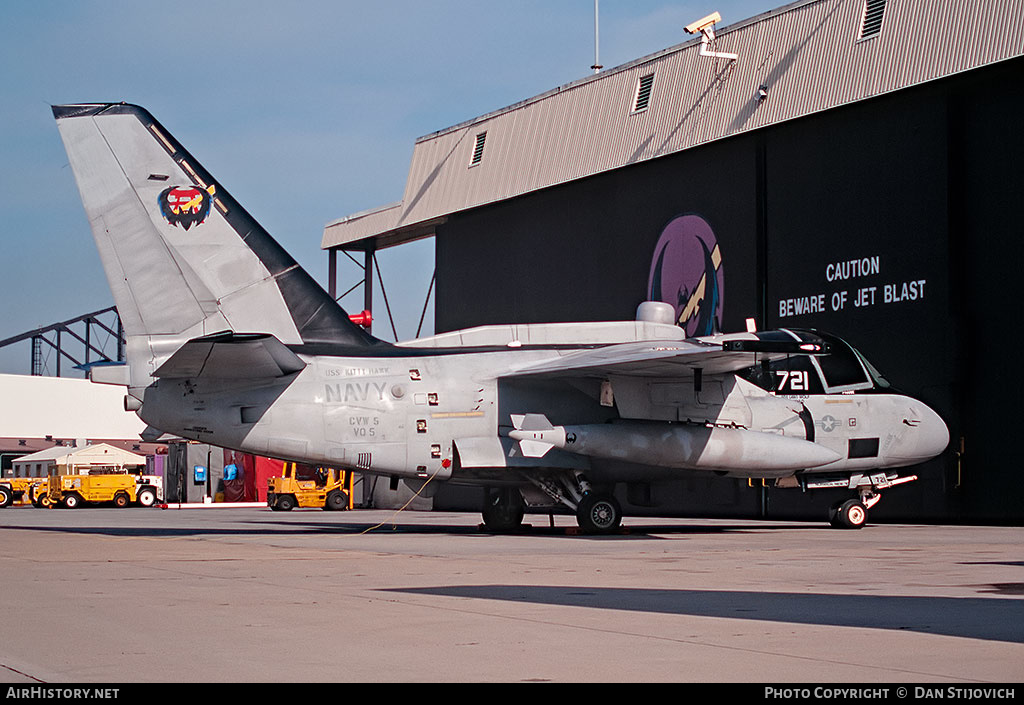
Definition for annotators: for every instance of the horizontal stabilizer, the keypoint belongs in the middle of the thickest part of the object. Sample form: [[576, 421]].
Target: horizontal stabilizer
[[153, 435], [230, 356], [110, 374]]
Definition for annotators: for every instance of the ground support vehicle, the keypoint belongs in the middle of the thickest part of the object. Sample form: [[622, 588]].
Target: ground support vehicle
[[121, 489], [149, 489], [19, 490], [328, 489], [39, 494]]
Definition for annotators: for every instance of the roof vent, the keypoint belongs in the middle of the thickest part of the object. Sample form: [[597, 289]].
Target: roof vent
[[643, 93], [874, 12], [478, 150]]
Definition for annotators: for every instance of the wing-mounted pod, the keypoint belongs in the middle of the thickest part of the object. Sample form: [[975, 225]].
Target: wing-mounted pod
[[731, 450]]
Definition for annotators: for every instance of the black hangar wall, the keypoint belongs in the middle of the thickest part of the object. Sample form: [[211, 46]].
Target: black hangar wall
[[583, 251], [892, 222]]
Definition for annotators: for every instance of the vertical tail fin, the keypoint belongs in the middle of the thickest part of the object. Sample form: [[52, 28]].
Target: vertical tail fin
[[182, 257]]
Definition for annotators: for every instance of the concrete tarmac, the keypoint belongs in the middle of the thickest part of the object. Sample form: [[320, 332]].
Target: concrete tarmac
[[248, 595]]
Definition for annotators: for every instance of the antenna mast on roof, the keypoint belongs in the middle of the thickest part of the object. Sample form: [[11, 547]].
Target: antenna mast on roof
[[597, 61]]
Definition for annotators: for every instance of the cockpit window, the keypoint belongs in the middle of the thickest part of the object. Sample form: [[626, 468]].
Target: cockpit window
[[842, 367], [876, 376]]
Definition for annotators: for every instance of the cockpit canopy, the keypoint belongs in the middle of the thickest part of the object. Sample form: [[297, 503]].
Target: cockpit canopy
[[843, 369]]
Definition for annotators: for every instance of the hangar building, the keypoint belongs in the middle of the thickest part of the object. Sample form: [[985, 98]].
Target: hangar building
[[855, 168]]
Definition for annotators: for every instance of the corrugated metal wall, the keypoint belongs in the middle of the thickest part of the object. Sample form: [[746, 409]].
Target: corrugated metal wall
[[807, 55]]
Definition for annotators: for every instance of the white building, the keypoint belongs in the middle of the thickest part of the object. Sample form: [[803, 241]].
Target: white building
[[101, 457], [37, 413]]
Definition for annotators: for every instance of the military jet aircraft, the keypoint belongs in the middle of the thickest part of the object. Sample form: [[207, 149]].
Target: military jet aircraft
[[230, 342]]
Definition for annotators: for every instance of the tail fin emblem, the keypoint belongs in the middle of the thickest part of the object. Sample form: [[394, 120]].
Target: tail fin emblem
[[185, 205]]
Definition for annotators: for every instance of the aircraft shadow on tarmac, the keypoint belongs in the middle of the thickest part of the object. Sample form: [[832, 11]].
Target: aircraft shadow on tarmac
[[296, 528], [633, 531], [972, 618]]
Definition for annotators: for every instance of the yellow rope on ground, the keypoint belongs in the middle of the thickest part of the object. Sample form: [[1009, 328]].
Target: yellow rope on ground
[[403, 507]]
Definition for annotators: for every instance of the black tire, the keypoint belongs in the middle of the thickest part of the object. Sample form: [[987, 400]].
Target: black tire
[[599, 514], [286, 503], [146, 497], [6, 496], [503, 509], [71, 501], [336, 501], [121, 500], [833, 515], [851, 514]]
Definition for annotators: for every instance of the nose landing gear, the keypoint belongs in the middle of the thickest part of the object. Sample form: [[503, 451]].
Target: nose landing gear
[[853, 513]]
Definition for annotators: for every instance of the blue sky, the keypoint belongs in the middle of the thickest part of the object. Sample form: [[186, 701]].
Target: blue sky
[[306, 111]]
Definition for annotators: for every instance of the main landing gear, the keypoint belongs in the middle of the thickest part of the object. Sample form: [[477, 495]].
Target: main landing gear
[[503, 509], [596, 512]]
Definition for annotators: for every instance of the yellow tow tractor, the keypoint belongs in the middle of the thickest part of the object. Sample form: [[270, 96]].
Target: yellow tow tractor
[[321, 488], [19, 490], [39, 494], [122, 489]]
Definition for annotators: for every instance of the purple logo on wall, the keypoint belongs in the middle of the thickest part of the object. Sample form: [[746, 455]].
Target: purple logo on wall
[[687, 272]]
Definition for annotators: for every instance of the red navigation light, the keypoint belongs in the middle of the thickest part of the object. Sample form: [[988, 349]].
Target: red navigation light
[[363, 319]]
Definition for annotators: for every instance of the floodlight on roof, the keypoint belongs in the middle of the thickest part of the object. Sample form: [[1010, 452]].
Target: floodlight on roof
[[706, 27]]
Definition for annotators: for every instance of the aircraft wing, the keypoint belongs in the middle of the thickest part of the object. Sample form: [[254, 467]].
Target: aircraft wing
[[229, 356], [668, 359]]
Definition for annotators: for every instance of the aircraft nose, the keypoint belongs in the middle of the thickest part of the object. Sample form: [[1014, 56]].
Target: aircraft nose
[[934, 434], [927, 435]]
